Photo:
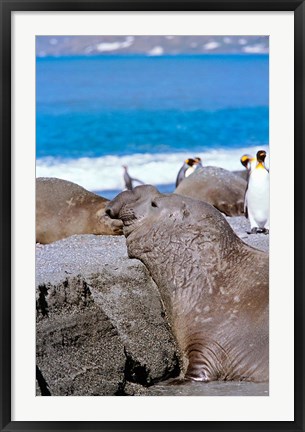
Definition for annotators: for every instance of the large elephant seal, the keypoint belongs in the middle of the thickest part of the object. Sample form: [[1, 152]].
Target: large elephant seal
[[216, 186], [63, 208], [214, 286]]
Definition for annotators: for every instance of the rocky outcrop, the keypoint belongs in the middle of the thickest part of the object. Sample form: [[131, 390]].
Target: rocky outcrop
[[101, 327]]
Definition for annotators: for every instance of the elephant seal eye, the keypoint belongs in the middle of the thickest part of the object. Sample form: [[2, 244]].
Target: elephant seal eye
[[154, 204]]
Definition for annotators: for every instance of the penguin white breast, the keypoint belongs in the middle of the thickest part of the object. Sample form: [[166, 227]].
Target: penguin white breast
[[252, 165], [189, 171], [258, 194]]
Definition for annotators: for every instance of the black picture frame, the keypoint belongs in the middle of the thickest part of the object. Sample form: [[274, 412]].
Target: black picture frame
[[6, 8]]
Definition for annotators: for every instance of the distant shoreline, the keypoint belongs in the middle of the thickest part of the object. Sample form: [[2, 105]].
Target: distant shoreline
[[151, 45], [113, 55]]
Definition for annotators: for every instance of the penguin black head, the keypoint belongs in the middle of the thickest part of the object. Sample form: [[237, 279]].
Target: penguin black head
[[198, 160], [261, 155], [245, 159], [190, 161]]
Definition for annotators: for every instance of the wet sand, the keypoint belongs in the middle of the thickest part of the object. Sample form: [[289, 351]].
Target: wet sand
[[216, 388]]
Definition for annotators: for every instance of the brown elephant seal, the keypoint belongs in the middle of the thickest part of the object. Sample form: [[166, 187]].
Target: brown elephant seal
[[216, 186], [63, 208], [244, 174], [214, 286]]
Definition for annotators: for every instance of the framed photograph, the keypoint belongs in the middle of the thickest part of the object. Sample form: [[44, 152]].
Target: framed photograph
[[152, 215]]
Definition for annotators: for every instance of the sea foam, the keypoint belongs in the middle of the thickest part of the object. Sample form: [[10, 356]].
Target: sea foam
[[106, 173]]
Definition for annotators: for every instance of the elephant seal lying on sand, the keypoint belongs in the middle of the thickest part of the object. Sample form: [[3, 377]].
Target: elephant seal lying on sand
[[214, 286], [63, 208], [216, 186]]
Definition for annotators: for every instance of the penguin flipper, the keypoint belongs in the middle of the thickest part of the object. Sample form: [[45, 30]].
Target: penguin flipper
[[180, 176], [246, 207]]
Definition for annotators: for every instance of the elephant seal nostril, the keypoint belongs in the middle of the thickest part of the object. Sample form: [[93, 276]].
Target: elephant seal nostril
[[108, 212], [113, 209]]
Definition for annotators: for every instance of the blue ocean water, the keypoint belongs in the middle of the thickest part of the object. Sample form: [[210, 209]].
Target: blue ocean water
[[94, 114]]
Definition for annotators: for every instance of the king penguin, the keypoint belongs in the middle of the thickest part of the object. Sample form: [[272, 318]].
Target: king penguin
[[248, 162], [257, 196], [187, 169], [198, 162]]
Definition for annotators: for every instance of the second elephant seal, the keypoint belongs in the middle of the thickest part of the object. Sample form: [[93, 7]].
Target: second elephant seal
[[221, 188], [214, 286], [64, 208]]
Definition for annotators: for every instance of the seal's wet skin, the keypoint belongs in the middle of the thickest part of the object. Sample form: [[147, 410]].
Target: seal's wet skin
[[214, 286]]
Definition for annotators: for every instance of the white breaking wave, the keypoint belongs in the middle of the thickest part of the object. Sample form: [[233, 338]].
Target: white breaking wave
[[106, 173]]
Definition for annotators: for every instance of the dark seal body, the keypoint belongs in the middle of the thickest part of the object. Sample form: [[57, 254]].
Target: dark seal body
[[63, 209], [244, 174], [214, 286], [221, 188]]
